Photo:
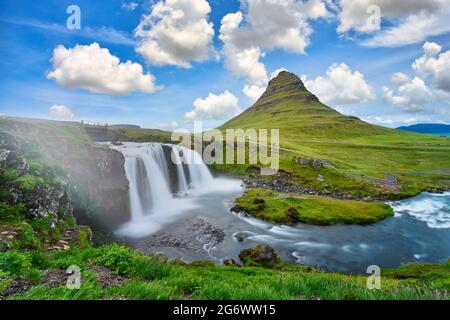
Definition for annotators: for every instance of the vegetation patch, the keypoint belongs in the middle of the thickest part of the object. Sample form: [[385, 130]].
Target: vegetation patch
[[289, 208], [206, 282]]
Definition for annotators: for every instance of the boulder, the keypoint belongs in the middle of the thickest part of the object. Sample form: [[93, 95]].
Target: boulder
[[259, 255], [292, 215], [317, 164], [230, 262]]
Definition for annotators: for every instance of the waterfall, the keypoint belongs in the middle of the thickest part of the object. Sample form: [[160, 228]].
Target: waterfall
[[152, 176], [182, 180], [198, 172], [165, 181]]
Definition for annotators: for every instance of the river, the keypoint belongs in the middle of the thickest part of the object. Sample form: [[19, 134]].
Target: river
[[198, 224]]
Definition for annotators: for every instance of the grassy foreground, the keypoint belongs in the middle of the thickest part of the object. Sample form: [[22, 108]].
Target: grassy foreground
[[154, 278], [289, 208]]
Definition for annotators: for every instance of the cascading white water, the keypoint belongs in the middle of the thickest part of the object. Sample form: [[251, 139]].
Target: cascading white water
[[182, 180], [146, 170], [156, 181], [198, 171]]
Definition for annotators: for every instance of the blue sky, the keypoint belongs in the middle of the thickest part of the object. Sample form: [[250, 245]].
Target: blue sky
[[336, 40]]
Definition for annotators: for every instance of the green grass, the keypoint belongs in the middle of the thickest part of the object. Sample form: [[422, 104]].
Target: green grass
[[275, 207], [142, 135], [174, 281]]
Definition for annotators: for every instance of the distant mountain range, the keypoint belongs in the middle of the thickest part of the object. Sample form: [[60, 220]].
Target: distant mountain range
[[432, 128]]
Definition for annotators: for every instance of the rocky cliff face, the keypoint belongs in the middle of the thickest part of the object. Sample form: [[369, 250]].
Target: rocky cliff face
[[25, 179], [97, 187]]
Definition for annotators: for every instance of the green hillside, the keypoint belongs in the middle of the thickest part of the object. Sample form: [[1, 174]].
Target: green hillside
[[357, 159], [288, 106]]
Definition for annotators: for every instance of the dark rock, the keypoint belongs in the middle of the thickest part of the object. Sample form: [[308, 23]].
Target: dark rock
[[4, 245], [240, 237], [54, 278], [292, 215], [316, 164], [107, 278], [230, 262], [258, 201], [17, 286], [238, 209], [259, 255]]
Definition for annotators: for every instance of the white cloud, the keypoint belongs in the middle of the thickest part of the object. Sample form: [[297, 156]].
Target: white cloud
[[275, 73], [410, 21], [61, 111], [168, 126], [340, 85], [129, 6], [434, 64], [93, 68], [266, 25], [253, 92], [214, 106], [176, 32], [431, 82], [412, 94], [246, 63]]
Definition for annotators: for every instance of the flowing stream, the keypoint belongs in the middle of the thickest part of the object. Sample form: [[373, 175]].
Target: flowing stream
[[183, 211]]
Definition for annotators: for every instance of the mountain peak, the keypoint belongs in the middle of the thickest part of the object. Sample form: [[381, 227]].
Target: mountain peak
[[288, 85], [286, 77], [288, 106]]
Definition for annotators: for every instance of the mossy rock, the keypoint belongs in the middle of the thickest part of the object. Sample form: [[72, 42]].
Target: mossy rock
[[261, 256]]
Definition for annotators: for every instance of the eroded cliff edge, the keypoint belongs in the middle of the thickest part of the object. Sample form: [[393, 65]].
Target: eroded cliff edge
[[96, 184]]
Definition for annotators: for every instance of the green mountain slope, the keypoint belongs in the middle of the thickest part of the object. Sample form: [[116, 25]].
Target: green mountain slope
[[287, 105], [362, 159]]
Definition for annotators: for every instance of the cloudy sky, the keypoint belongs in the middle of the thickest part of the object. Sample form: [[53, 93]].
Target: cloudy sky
[[167, 63]]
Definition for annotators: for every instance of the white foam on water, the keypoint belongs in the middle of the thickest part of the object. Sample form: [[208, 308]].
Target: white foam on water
[[157, 219], [419, 256], [151, 202], [433, 209], [287, 231], [270, 240], [312, 244], [298, 257]]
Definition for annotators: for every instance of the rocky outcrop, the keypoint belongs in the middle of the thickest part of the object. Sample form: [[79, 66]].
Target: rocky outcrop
[[279, 184], [95, 183], [25, 180], [100, 183], [261, 255]]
